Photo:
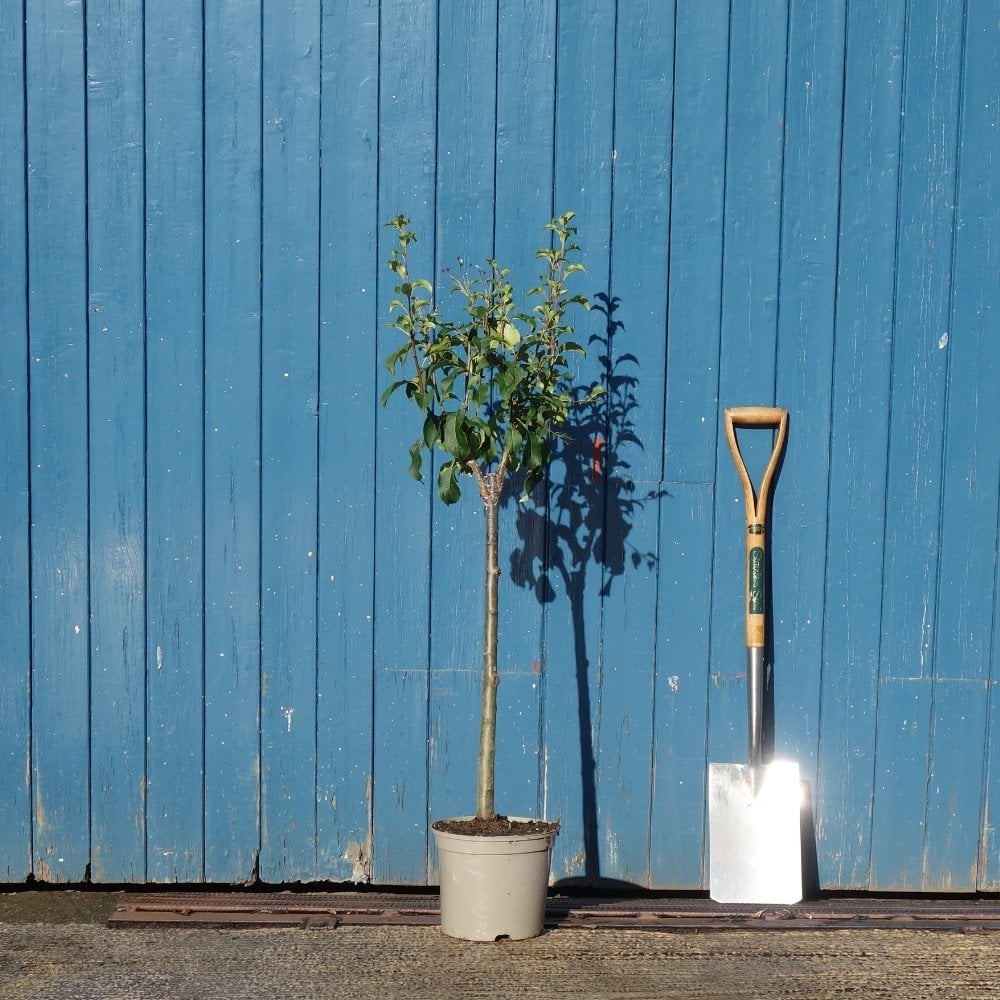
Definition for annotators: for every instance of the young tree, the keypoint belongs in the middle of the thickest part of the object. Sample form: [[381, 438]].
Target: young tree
[[493, 386]]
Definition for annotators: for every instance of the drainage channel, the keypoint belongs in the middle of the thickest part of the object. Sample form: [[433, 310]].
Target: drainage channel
[[334, 909]]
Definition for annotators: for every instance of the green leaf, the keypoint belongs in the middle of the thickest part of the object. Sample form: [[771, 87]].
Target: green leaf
[[510, 334], [446, 386], [480, 395], [453, 437], [531, 480], [479, 435], [538, 452], [432, 433], [422, 399], [392, 388], [416, 461], [448, 488], [514, 439], [396, 357]]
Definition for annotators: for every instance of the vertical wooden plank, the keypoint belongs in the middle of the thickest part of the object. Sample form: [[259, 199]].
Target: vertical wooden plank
[[407, 121], [856, 513], [687, 519], [401, 703], [348, 390], [232, 439], [958, 832], [57, 313], [524, 138], [697, 181], [989, 855], [115, 208], [582, 171], [683, 650], [755, 132], [913, 481], [806, 315], [965, 560], [15, 657], [954, 790], [632, 410], [524, 156], [902, 753], [289, 435], [467, 68], [174, 440]]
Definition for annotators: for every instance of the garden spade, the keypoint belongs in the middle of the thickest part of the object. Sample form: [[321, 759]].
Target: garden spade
[[754, 809]]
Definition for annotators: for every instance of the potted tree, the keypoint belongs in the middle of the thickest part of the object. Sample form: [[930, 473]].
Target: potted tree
[[493, 387]]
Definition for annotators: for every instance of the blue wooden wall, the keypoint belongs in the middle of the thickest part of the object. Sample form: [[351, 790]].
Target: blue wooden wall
[[238, 641]]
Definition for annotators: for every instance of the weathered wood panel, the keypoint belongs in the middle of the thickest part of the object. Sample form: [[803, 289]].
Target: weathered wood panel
[[925, 224], [804, 371], [55, 123], [15, 471], [349, 380], [686, 504], [232, 167], [289, 438], [858, 441], [964, 777], [116, 339], [633, 311], [242, 642], [582, 180], [408, 56], [174, 433]]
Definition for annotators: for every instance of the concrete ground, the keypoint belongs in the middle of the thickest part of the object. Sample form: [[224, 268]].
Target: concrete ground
[[56, 945]]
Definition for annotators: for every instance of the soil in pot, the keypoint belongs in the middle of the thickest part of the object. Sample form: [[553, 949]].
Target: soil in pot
[[499, 826]]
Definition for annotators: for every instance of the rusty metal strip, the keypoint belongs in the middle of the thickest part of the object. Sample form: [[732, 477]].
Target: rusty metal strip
[[273, 909], [334, 909], [264, 919]]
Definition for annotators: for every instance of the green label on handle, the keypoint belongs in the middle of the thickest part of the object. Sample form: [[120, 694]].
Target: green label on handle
[[756, 582]]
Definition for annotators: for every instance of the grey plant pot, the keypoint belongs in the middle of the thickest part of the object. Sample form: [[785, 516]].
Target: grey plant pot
[[493, 887]]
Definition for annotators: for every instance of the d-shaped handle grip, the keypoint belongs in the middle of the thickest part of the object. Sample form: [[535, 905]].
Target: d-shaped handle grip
[[756, 507]]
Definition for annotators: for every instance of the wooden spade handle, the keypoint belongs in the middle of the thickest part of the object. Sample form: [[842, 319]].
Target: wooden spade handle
[[756, 508], [756, 416]]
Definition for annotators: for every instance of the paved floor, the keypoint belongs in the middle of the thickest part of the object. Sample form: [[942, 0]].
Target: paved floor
[[81, 958]]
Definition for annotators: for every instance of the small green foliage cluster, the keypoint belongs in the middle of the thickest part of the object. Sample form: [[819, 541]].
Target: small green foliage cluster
[[495, 384]]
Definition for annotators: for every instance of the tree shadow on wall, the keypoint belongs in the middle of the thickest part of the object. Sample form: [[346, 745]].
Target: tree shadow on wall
[[592, 503]]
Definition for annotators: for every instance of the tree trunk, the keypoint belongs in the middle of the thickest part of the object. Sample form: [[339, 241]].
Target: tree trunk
[[486, 764]]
